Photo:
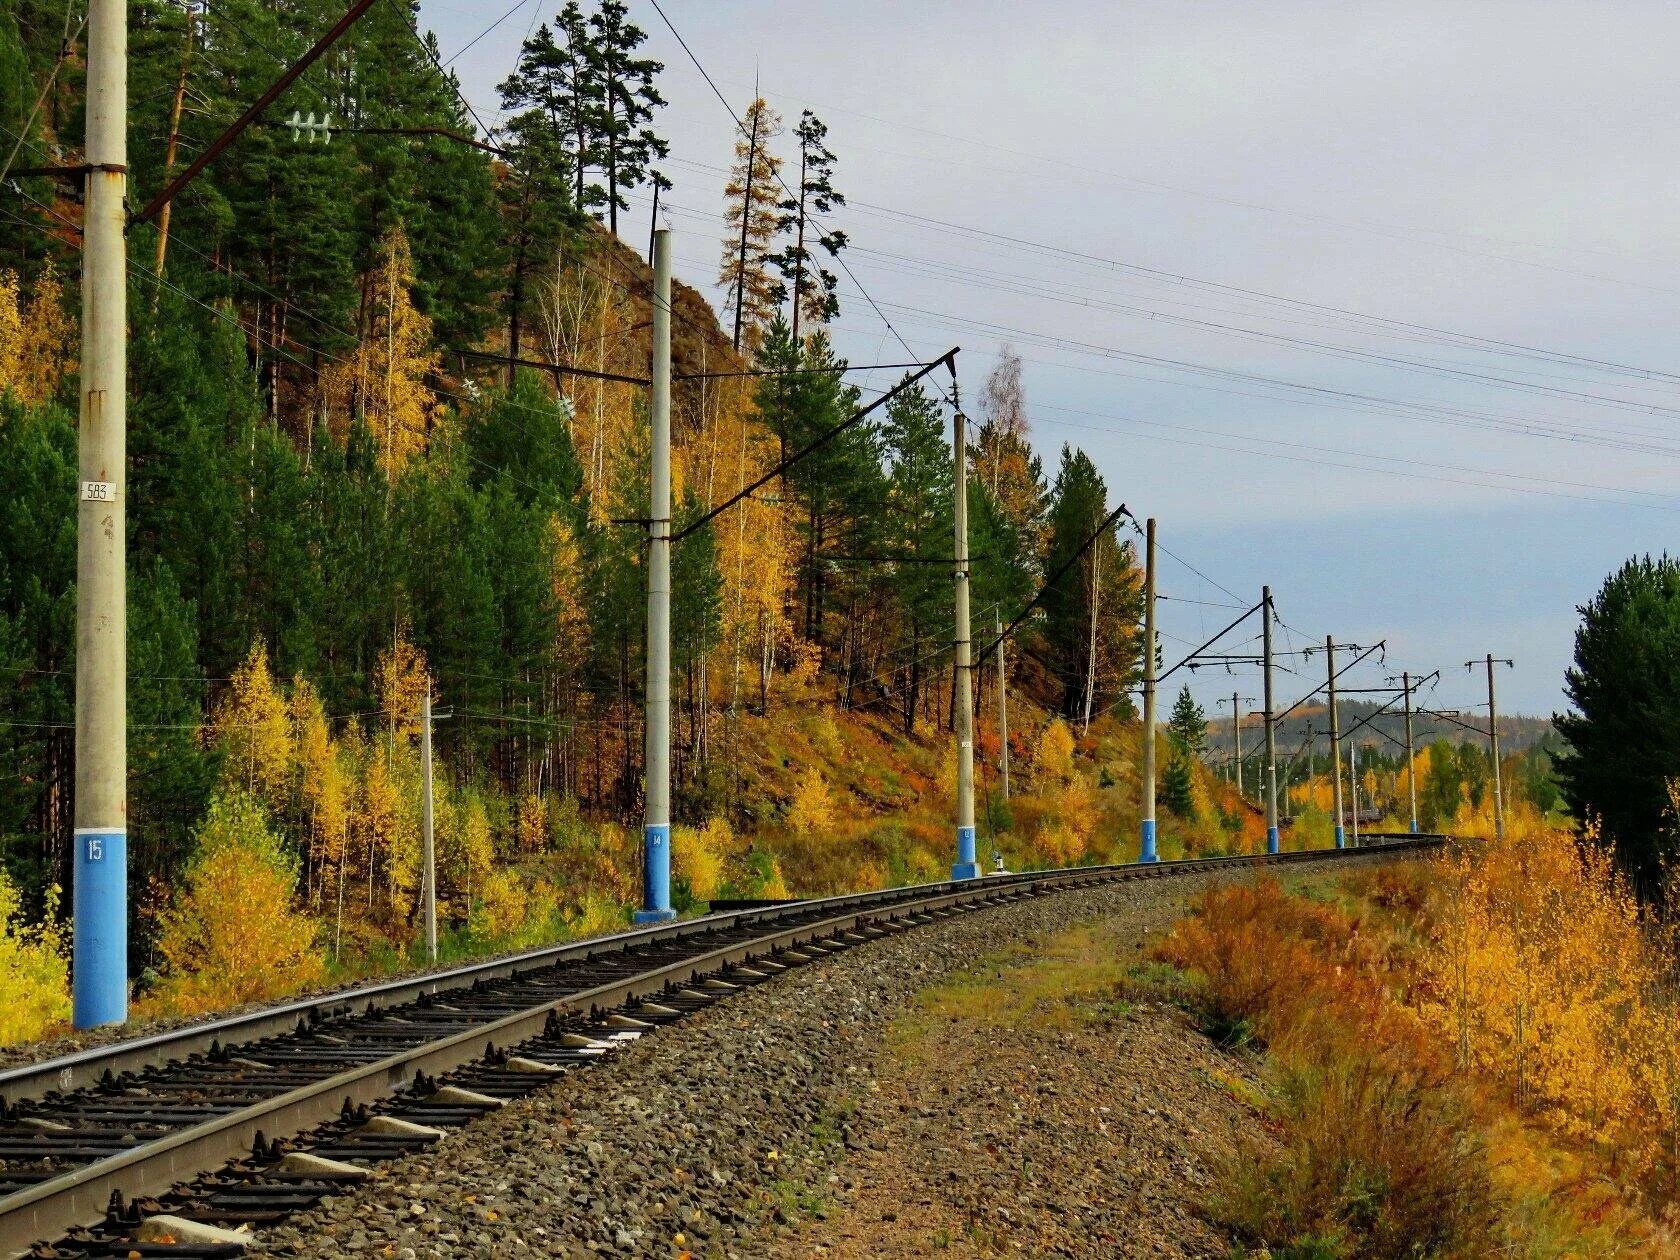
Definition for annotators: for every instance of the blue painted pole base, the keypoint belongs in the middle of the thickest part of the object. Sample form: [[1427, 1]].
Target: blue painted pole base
[[1147, 852], [656, 874], [965, 867], [1414, 827], [1271, 839], [99, 901], [1341, 838]]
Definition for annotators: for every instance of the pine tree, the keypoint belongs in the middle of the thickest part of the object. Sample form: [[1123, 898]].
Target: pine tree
[[1177, 784], [838, 484], [624, 104], [1187, 725], [1098, 599], [810, 284], [546, 142], [752, 216], [919, 528]]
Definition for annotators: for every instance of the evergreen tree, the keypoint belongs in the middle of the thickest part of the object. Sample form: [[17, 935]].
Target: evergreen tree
[[919, 529], [810, 284], [624, 104], [1624, 731], [1178, 785], [752, 219], [1187, 726], [37, 639], [838, 484], [1078, 503], [539, 213]]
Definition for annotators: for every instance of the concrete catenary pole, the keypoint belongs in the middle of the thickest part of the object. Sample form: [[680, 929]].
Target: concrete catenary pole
[[428, 850], [656, 832], [1353, 785], [1493, 752], [1236, 737], [1411, 768], [99, 880], [1271, 733], [1146, 852], [965, 866], [1335, 745], [1003, 705]]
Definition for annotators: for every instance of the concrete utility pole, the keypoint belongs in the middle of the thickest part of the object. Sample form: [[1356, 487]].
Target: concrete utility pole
[[1353, 782], [1003, 705], [1493, 750], [1411, 770], [656, 831], [1147, 851], [428, 851], [965, 866], [1335, 744], [1271, 733], [99, 880], [1236, 737]]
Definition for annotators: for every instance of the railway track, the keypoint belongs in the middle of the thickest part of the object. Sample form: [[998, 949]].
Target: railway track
[[149, 1147]]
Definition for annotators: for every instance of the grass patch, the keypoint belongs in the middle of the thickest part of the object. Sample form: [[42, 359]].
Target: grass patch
[[1073, 979]]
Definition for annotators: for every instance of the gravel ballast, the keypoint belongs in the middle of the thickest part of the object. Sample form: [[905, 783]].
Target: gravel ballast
[[698, 1138]]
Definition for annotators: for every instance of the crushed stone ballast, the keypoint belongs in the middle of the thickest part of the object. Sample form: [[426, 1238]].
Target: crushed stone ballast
[[166, 1145]]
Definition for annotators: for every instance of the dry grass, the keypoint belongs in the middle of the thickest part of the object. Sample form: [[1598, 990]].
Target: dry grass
[[1372, 1155]]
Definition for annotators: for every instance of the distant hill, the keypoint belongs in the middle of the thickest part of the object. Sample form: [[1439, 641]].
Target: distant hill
[[1516, 733]]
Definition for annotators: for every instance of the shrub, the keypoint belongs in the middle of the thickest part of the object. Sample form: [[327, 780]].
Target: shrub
[[697, 857], [1374, 1154], [1376, 1162], [1053, 761], [232, 935], [812, 810], [34, 973]]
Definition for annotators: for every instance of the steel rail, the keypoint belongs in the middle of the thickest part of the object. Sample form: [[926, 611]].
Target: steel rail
[[46, 1209]]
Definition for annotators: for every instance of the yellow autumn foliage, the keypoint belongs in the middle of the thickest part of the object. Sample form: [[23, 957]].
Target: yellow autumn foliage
[[1054, 758], [36, 338], [384, 378], [503, 908], [233, 935], [254, 729], [400, 681], [1544, 978], [34, 969], [698, 855], [531, 827], [812, 810]]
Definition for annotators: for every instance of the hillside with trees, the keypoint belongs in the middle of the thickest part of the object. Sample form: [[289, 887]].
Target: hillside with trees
[[354, 477]]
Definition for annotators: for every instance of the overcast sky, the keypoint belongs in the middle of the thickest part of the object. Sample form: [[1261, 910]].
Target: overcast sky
[[1100, 184]]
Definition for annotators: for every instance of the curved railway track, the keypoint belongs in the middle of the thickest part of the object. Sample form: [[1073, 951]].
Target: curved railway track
[[242, 1120]]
